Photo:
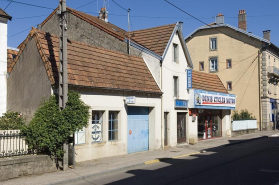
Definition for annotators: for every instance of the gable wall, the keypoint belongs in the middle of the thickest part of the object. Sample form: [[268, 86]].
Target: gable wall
[[82, 31], [28, 83]]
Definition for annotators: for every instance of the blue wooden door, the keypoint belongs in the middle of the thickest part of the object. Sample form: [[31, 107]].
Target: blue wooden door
[[138, 133]]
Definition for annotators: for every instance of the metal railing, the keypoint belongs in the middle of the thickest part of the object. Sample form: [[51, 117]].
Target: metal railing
[[12, 143]]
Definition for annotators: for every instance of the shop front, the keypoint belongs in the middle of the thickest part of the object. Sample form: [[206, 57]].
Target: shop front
[[211, 113]]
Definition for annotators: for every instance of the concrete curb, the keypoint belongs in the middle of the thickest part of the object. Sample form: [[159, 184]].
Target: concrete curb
[[84, 177]]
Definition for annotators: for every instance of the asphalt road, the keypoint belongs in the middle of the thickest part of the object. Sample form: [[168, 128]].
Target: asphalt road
[[252, 162]]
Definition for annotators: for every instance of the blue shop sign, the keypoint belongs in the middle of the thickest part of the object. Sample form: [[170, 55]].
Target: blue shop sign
[[189, 78], [181, 103]]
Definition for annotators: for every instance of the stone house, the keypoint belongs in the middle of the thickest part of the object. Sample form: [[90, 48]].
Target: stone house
[[246, 64]]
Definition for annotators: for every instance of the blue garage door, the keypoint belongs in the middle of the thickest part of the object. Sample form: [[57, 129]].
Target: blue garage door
[[138, 124]]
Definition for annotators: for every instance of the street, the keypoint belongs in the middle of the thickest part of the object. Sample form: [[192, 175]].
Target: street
[[251, 162]]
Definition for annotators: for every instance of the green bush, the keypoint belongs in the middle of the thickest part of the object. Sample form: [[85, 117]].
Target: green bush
[[50, 127], [243, 115], [12, 121]]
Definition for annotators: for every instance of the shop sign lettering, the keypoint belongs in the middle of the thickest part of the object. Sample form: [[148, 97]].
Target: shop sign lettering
[[214, 100], [189, 79]]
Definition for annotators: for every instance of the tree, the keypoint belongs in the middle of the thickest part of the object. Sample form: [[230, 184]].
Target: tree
[[50, 127]]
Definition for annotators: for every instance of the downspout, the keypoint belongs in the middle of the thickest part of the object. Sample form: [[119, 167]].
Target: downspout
[[162, 109], [259, 79]]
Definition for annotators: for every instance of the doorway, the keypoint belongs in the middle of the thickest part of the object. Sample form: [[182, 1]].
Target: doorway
[[181, 127], [209, 126]]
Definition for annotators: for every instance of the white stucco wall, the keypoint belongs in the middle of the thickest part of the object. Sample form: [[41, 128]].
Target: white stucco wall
[[106, 103], [169, 70], [3, 67]]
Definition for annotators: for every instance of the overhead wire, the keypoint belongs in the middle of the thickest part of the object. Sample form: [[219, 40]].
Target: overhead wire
[[38, 6], [86, 4], [240, 76], [8, 4], [247, 86]]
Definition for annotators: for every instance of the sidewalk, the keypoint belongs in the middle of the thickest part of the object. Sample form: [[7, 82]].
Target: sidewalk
[[124, 162]]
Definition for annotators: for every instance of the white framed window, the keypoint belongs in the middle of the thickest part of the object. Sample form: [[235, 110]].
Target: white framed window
[[201, 66], [213, 43], [229, 86], [80, 136], [113, 126], [229, 63], [97, 126], [175, 53], [213, 63], [175, 86]]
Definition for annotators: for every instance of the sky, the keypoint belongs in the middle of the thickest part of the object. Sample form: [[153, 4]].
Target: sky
[[261, 15]]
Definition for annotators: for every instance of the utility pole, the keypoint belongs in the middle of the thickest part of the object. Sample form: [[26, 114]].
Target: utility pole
[[129, 31], [63, 68]]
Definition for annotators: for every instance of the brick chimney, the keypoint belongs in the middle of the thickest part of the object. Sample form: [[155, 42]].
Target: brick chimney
[[266, 34], [220, 19], [103, 14], [242, 23]]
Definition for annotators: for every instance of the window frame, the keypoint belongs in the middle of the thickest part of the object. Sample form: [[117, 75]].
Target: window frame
[[110, 121], [229, 82], [201, 63], [175, 86], [175, 48], [217, 68], [210, 43], [101, 125], [227, 66]]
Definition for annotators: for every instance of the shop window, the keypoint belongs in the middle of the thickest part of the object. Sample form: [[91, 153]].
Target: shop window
[[229, 63], [175, 53], [80, 136], [201, 66], [213, 43], [213, 64], [97, 126], [113, 126], [175, 86], [229, 86]]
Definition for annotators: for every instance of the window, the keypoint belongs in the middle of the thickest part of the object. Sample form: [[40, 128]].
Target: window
[[275, 89], [229, 86], [201, 66], [175, 86], [113, 126], [229, 63], [97, 126], [213, 64], [213, 43], [175, 53], [80, 136], [269, 64], [14, 56]]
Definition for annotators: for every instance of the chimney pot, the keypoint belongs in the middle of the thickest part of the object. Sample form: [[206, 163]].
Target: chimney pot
[[242, 23], [266, 34], [220, 19], [103, 14]]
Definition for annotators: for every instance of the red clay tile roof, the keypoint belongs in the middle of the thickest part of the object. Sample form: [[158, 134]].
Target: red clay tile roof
[[154, 39], [10, 57], [105, 26], [207, 82], [91, 66], [4, 14]]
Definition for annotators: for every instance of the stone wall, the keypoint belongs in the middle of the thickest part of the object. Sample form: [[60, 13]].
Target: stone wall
[[242, 132], [25, 165]]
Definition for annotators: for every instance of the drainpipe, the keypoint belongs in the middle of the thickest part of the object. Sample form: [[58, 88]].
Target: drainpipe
[[259, 81], [162, 109]]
